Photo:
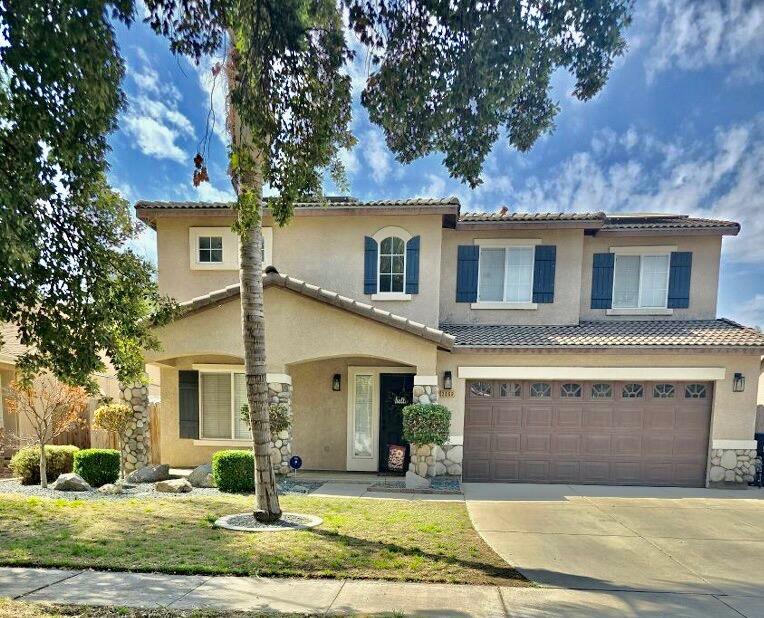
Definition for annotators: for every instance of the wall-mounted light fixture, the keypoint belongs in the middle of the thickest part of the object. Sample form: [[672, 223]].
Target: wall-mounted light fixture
[[738, 383], [336, 382], [448, 383]]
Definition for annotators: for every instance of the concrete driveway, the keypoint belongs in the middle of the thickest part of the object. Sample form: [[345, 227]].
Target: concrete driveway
[[708, 542]]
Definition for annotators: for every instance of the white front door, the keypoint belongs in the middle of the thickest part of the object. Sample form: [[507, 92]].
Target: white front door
[[363, 421]]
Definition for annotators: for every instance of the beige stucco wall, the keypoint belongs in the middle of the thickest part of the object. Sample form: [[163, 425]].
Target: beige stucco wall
[[320, 414], [327, 251], [564, 309], [703, 282], [733, 413]]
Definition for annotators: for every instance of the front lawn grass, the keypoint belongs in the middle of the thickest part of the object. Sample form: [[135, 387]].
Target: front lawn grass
[[360, 539]]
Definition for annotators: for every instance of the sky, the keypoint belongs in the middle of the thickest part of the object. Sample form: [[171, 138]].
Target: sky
[[678, 128]]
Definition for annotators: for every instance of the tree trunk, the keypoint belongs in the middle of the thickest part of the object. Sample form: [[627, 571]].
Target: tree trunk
[[250, 179], [267, 507], [43, 467]]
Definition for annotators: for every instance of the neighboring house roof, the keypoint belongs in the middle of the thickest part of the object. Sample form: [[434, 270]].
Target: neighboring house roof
[[642, 334], [442, 339], [532, 216], [655, 222], [11, 348]]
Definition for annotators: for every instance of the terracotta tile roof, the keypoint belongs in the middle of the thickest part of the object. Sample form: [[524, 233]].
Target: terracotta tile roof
[[273, 278], [330, 202], [532, 216], [690, 334], [11, 348], [666, 222]]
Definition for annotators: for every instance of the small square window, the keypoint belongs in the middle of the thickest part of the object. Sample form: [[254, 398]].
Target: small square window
[[602, 391], [570, 390], [210, 249], [541, 390]]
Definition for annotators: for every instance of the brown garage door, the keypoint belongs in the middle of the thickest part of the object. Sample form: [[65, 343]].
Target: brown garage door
[[612, 433]]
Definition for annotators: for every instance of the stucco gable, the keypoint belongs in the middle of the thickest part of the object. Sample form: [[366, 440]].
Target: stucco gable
[[273, 278]]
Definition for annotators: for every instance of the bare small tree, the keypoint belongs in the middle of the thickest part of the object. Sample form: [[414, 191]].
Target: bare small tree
[[50, 407], [115, 418]]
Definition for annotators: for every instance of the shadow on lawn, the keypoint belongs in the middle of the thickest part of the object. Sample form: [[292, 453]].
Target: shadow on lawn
[[498, 572]]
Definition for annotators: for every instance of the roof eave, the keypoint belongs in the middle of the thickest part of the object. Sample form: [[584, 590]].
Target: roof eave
[[604, 348]]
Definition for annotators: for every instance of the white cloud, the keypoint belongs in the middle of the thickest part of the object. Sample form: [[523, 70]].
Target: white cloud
[[377, 155], [153, 119], [695, 34], [155, 139], [723, 178], [435, 187], [349, 159]]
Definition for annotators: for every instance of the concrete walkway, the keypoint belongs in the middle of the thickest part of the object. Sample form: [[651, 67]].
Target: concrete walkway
[[638, 539], [348, 597]]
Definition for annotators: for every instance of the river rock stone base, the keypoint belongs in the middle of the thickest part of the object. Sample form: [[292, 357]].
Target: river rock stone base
[[136, 448], [730, 467], [430, 460], [425, 394], [281, 444]]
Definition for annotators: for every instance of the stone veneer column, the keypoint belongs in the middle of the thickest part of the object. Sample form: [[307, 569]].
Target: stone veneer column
[[280, 392], [136, 449], [430, 460], [732, 466]]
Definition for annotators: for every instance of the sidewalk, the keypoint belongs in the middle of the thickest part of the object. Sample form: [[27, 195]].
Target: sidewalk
[[342, 597]]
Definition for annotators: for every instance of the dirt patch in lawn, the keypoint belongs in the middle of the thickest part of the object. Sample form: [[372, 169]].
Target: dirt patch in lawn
[[359, 539]]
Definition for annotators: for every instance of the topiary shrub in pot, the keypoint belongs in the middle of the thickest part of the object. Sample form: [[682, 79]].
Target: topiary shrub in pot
[[425, 426], [234, 471], [26, 463], [98, 466]]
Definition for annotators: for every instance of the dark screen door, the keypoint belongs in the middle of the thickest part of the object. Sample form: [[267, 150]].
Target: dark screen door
[[395, 393]]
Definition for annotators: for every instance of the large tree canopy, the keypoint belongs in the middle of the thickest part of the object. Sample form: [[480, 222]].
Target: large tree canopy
[[75, 294]]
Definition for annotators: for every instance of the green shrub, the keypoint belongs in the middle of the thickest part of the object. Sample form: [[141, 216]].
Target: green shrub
[[97, 466], [26, 463], [426, 423], [234, 471], [278, 415]]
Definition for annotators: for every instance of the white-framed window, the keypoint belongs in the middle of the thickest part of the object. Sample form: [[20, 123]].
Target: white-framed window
[[221, 397], [217, 248], [506, 274], [392, 265], [640, 279]]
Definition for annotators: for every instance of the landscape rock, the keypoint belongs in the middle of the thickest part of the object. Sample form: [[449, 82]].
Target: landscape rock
[[110, 488], [414, 481], [201, 476], [728, 460], [71, 482], [174, 486], [149, 474]]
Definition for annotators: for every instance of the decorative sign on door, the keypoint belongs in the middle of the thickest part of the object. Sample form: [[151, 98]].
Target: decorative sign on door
[[401, 399]]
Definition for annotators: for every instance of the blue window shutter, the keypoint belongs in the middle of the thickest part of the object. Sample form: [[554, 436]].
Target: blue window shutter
[[467, 273], [412, 266], [371, 250], [188, 404], [602, 280], [679, 280], [543, 273]]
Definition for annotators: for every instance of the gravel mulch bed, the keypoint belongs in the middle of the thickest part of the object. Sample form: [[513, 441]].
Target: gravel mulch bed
[[246, 522], [143, 490], [438, 485]]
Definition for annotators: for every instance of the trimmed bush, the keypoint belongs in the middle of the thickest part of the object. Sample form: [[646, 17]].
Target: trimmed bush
[[426, 423], [26, 463], [97, 466], [234, 471]]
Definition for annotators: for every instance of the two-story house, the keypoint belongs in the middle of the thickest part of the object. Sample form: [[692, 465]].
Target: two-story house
[[570, 347]]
